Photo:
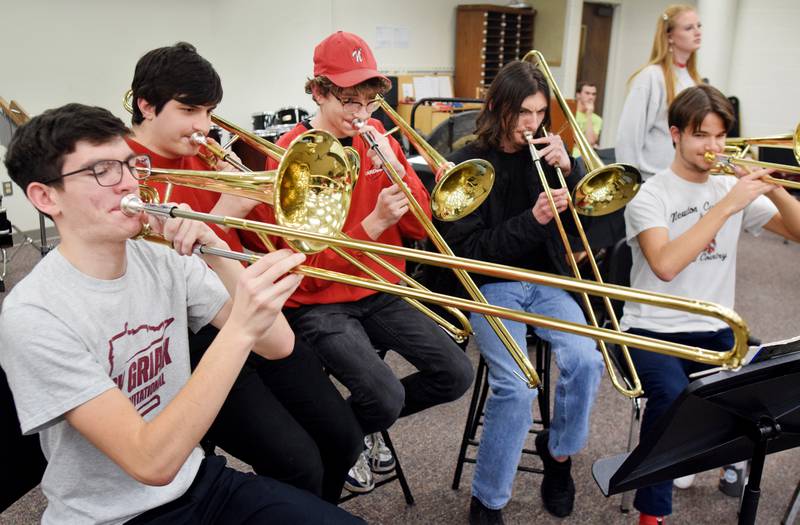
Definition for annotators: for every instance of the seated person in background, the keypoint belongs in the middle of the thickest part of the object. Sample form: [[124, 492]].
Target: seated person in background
[[346, 324], [683, 228], [307, 437], [590, 122], [94, 343], [514, 226]]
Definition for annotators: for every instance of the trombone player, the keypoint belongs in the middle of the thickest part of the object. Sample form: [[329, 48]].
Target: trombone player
[[514, 226], [346, 324], [306, 437], [683, 228]]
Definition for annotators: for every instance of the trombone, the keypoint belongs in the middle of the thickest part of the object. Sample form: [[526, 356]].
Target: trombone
[[458, 334], [788, 140], [460, 189], [613, 200], [636, 389], [724, 165], [731, 359], [286, 191], [606, 188], [519, 357]]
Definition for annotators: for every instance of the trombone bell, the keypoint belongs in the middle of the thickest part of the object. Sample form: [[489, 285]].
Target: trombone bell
[[462, 190], [606, 189]]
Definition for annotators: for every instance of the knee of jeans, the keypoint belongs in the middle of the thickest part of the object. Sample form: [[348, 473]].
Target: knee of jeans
[[511, 388], [385, 406]]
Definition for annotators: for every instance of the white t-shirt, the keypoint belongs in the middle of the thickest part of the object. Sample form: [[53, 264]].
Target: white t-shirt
[[66, 338], [668, 201]]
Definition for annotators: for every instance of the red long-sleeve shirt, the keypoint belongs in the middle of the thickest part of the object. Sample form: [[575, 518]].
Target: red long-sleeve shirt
[[371, 181]]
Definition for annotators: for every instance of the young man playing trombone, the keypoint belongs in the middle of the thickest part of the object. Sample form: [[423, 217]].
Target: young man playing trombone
[[347, 325], [94, 343], [284, 417], [683, 228], [514, 226]]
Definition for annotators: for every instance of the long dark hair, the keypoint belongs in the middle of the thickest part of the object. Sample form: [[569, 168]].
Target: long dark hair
[[513, 84]]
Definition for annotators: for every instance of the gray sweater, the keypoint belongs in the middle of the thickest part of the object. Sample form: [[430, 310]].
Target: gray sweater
[[643, 138]]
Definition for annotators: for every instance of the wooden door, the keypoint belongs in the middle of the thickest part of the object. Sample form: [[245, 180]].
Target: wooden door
[[595, 43]]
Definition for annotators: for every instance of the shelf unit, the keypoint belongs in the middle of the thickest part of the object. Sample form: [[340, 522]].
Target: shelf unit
[[487, 38]]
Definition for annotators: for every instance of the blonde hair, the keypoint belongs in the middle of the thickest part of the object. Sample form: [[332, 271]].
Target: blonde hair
[[662, 56]]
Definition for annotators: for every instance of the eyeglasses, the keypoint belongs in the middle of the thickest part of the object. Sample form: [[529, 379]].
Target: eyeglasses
[[109, 172], [353, 106]]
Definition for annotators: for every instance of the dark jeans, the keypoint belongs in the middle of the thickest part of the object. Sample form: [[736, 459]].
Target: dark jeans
[[287, 420], [222, 495], [663, 379], [347, 335]]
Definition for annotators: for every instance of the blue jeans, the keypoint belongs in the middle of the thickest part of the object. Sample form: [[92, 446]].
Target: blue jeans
[[508, 413], [346, 337], [663, 379]]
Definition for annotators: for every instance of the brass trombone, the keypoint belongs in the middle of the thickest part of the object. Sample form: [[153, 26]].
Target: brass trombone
[[612, 199], [724, 165], [636, 389], [606, 188], [730, 359], [788, 140], [459, 334], [266, 186], [460, 189], [520, 358]]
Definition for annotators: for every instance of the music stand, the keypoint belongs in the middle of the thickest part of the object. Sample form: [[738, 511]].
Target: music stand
[[717, 420]]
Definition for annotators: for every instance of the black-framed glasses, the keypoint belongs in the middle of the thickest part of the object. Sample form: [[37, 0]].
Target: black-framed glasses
[[354, 106], [109, 172]]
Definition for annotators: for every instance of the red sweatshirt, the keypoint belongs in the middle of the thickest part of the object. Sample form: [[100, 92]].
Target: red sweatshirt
[[371, 181], [198, 200]]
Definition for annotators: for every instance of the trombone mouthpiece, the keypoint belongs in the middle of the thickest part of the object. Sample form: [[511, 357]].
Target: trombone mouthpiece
[[528, 134], [131, 205], [357, 123], [198, 138]]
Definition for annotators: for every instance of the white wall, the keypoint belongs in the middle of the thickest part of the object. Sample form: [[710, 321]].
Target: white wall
[[764, 70], [57, 52]]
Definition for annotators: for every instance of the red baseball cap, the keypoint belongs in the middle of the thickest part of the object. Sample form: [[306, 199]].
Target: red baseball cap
[[345, 59]]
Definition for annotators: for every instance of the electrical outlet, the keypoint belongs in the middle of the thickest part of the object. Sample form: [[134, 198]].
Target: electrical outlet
[[8, 189]]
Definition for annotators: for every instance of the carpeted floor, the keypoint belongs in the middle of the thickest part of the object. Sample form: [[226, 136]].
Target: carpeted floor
[[428, 442]]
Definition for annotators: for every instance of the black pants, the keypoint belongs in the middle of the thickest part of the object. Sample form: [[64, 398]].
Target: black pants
[[287, 420], [223, 495], [346, 337]]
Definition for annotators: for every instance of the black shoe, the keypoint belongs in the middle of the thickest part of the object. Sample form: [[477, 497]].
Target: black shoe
[[558, 489], [480, 514]]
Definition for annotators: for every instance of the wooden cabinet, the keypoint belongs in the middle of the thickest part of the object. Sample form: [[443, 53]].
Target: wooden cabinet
[[487, 38]]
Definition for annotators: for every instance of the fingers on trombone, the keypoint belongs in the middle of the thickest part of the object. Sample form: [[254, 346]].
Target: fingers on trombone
[[272, 266]]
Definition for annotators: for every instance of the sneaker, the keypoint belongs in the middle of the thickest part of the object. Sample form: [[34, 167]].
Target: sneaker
[[359, 478], [379, 456], [558, 488], [685, 482], [480, 514], [732, 481], [647, 519]]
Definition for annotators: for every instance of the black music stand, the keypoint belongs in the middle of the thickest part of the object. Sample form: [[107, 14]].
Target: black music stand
[[718, 420]]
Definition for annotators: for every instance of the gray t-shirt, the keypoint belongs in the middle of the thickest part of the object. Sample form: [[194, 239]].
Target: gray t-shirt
[[66, 338]]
